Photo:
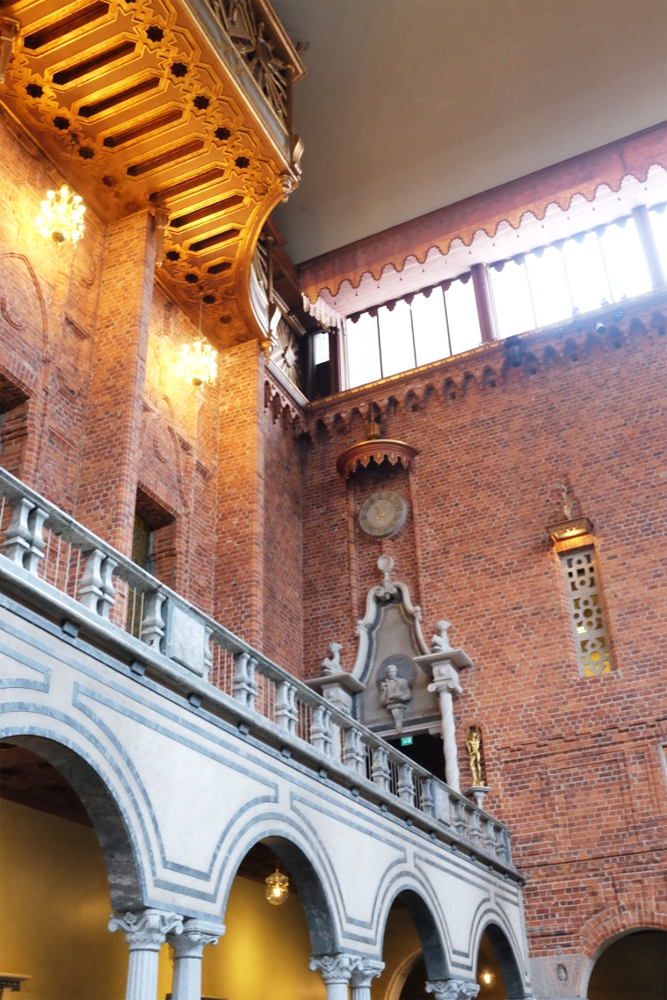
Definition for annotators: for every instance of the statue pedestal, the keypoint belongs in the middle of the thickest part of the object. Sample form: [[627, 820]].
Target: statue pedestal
[[478, 793], [339, 689]]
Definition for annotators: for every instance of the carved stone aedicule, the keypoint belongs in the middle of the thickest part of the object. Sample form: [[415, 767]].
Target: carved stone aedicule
[[390, 641]]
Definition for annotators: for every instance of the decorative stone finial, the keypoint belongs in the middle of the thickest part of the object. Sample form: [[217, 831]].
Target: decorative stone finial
[[385, 564], [331, 664], [440, 641]]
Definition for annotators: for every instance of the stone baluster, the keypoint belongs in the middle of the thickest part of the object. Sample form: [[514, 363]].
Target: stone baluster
[[489, 837], [320, 732], [188, 950], [24, 541], [452, 989], [335, 971], [353, 751], [145, 932], [285, 712], [380, 771], [362, 975], [244, 685], [153, 624], [460, 818], [406, 784], [504, 852], [475, 832], [96, 590], [427, 796]]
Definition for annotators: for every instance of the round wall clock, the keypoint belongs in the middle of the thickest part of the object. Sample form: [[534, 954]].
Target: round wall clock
[[383, 514]]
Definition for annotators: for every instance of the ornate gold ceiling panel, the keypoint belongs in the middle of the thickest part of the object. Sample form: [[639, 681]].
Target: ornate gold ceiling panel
[[178, 107]]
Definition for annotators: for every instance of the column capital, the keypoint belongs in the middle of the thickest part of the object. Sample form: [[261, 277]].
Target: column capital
[[146, 930], [445, 677], [196, 934], [335, 968], [452, 989], [365, 971]]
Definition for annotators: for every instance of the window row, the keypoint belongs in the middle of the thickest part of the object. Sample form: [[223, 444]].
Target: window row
[[532, 290]]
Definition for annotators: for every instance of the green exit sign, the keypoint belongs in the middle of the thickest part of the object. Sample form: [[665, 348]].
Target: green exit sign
[[406, 741]]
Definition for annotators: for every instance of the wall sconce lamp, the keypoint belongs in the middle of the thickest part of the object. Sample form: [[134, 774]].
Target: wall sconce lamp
[[487, 978], [198, 363], [62, 211], [61, 216], [277, 888]]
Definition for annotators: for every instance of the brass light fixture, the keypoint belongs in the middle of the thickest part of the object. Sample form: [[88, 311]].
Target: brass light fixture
[[62, 211], [198, 363], [61, 216], [277, 888]]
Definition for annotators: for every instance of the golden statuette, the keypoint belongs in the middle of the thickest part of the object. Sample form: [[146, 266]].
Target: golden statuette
[[474, 747]]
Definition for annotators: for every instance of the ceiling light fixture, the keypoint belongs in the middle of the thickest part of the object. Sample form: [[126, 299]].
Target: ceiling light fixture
[[277, 888]]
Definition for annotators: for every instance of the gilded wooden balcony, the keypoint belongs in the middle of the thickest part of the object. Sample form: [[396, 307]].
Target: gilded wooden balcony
[[179, 107]]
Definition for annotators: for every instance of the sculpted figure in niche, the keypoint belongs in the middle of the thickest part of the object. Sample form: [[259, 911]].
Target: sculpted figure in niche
[[394, 689], [395, 694], [474, 747]]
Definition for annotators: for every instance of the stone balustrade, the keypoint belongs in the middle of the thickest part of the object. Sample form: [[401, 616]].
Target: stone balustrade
[[55, 563]]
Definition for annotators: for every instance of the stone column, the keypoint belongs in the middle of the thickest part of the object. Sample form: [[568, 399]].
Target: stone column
[[367, 969], [146, 932], [188, 950], [446, 683], [446, 663], [335, 971], [452, 989]]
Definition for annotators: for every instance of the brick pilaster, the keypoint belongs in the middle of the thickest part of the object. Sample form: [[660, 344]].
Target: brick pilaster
[[109, 466]]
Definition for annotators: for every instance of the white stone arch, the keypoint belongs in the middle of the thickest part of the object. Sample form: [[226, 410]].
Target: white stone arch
[[313, 877], [508, 951], [88, 768], [422, 905]]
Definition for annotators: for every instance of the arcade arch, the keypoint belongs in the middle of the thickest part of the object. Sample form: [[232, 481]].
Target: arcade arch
[[633, 963]]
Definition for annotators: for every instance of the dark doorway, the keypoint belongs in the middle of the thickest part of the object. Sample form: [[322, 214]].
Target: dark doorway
[[632, 968], [425, 750]]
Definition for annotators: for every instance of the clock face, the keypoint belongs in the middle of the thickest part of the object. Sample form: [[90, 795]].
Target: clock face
[[383, 514]]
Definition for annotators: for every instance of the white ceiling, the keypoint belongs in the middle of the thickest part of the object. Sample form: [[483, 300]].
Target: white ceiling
[[410, 105]]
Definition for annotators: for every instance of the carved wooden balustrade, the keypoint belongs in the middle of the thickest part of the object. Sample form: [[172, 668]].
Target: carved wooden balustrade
[[51, 562]]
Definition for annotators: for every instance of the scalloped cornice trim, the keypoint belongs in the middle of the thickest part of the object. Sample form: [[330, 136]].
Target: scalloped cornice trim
[[557, 185]]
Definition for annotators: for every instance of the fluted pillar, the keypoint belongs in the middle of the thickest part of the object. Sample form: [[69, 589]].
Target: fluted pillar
[[452, 989], [145, 932], [335, 971], [365, 972], [188, 950]]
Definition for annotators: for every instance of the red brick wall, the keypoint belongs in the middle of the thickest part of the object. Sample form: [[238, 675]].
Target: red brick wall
[[282, 542], [47, 320], [573, 763]]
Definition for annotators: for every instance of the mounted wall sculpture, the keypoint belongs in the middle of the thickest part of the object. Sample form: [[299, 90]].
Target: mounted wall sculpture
[[398, 687]]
